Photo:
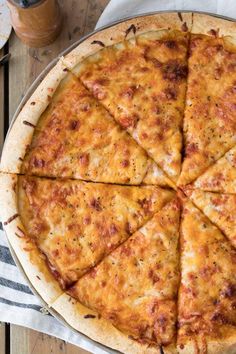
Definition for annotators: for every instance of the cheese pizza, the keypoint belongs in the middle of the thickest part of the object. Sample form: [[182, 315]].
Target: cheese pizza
[[77, 138], [219, 208], [207, 294], [210, 114], [221, 177], [148, 98], [118, 189], [76, 223], [129, 286]]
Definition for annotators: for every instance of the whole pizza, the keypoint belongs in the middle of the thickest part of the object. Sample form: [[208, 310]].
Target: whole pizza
[[118, 186]]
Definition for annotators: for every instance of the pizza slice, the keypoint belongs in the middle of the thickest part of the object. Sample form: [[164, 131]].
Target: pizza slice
[[219, 208], [77, 138], [31, 260], [142, 83], [221, 177], [135, 287], [207, 295], [156, 176], [76, 223], [210, 115]]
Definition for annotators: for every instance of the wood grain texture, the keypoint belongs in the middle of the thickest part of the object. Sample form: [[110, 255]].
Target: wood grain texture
[[25, 65], [2, 338], [26, 341]]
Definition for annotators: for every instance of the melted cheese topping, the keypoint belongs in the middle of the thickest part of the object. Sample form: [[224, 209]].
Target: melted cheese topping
[[221, 177], [210, 115], [156, 176], [142, 83], [207, 295], [139, 87], [220, 209], [76, 137], [135, 287], [76, 223]]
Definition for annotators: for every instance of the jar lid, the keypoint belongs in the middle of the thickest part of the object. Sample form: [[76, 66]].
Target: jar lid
[[26, 3]]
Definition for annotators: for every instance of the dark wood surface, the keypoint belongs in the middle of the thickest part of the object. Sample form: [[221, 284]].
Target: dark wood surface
[[80, 17]]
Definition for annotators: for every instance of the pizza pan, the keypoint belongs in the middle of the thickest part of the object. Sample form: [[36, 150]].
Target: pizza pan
[[22, 103]]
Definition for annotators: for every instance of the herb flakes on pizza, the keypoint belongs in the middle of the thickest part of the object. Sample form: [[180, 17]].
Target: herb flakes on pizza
[[142, 83], [76, 223], [135, 287], [220, 177], [118, 186], [210, 114], [207, 294], [219, 208], [77, 138]]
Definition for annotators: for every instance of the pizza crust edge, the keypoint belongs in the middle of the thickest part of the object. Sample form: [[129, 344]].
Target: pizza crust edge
[[30, 258], [100, 330], [10, 162], [40, 99], [211, 25], [226, 346], [127, 30], [23, 128], [24, 125]]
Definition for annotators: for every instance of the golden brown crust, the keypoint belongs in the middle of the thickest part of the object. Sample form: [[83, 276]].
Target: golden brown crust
[[32, 261], [226, 346], [148, 99], [77, 138], [24, 125], [211, 25], [79, 317], [127, 30], [31, 112], [33, 264]]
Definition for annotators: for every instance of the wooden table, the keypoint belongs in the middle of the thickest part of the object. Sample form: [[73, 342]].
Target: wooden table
[[80, 17]]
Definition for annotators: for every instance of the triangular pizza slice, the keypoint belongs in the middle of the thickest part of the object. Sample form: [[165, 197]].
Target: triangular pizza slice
[[221, 177], [77, 138], [219, 208], [207, 295], [135, 287], [76, 223], [210, 115], [142, 83], [156, 176]]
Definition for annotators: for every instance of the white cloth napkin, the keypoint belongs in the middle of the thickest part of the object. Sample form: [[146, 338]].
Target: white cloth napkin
[[17, 303], [118, 9]]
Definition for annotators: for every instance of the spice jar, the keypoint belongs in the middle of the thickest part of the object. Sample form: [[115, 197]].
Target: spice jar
[[36, 22]]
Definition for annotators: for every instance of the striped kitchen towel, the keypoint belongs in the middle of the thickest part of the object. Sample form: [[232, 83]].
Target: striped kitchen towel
[[18, 305]]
